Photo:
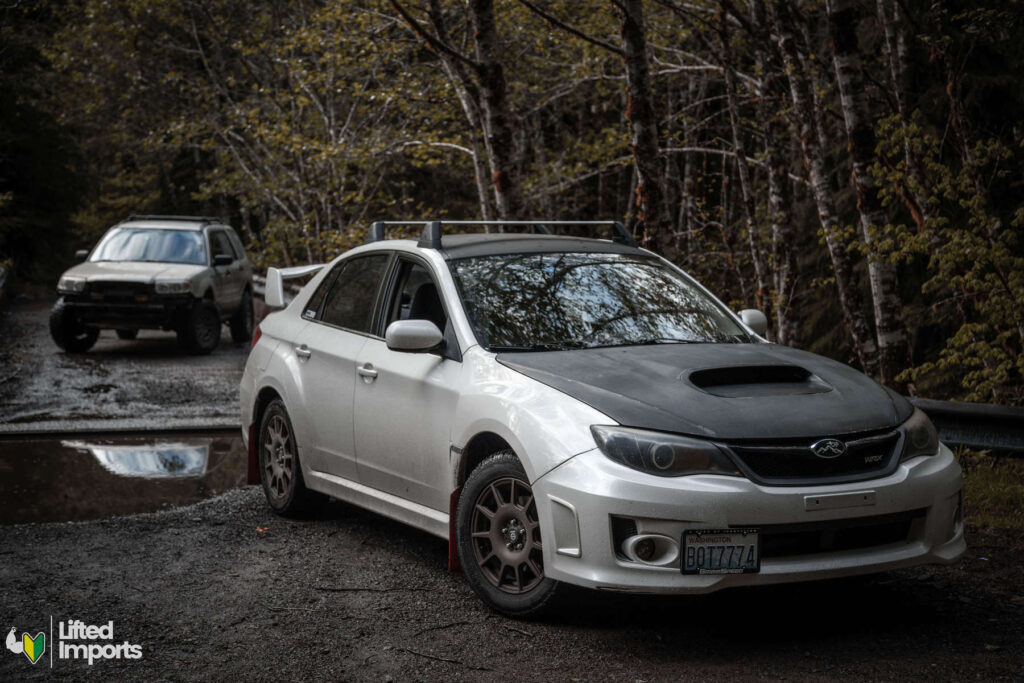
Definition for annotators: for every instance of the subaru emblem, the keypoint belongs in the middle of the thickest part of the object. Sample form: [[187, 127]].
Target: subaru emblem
[[828, 448]]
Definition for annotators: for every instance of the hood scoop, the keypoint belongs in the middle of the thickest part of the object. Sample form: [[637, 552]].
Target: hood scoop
[[747, 381]]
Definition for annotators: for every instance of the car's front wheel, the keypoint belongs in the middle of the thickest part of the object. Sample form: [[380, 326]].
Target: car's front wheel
[[201, 332], [499, 541], [68, 333], [280, 471]]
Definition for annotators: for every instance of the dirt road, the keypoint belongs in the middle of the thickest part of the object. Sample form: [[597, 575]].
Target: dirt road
[[146, 383]]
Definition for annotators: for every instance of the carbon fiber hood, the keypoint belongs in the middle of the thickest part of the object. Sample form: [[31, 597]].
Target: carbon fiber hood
[[723, 391]]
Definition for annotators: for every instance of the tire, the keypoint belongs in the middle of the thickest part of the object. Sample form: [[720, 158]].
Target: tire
[[127, 335], [241, 321], [280, 471], [68, 333], [501, 555], [201, 332]]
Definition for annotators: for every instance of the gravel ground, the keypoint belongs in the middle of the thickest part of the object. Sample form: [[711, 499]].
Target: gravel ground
[[146, 383], [224, 590]]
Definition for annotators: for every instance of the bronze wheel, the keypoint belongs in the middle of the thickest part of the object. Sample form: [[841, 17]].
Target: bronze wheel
[[506, 536], [498, 536], [280, 471]]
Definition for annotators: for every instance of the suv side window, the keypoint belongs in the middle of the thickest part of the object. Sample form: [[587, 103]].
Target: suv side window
[[416, 297], [236, 244], [350, 300], [219, 244]]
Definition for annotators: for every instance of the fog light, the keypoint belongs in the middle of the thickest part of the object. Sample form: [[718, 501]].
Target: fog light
[[644, 549]]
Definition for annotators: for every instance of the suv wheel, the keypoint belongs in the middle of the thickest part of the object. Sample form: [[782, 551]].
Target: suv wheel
[[127, 334], [280, 471], [498, 538], [201, 332], [241, 321], [68, 333]]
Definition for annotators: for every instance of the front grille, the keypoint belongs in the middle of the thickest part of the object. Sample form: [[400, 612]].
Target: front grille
[[808, 538], [793, 463], [119, 292]]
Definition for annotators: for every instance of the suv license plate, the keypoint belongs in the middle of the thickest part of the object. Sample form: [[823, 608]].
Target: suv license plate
[[720, 551]]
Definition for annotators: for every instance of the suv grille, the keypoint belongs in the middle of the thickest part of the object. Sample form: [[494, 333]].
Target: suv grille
[[807, 538], [120, 292], [793, 462]]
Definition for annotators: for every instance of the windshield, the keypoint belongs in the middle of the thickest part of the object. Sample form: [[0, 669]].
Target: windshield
[[152, 244], [537, 302]]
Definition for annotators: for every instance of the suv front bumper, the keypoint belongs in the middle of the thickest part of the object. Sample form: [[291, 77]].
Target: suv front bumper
[[165, 312], [578, 500]]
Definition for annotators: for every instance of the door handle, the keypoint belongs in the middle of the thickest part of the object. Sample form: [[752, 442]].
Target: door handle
[[367, 372], [303, 352]]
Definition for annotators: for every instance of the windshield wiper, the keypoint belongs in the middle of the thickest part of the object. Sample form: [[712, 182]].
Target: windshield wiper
[[547, 346], [651, 341]]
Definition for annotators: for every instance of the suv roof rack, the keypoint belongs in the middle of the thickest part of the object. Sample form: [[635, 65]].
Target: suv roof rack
[[432, 230], [155, 217]]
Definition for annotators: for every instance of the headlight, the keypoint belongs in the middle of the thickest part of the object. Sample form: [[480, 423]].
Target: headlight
[[71, 285], [174, 287], [665, 455], [921, 439]]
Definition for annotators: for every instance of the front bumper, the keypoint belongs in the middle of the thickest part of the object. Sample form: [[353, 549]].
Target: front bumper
[[165, 312], [578, 500]]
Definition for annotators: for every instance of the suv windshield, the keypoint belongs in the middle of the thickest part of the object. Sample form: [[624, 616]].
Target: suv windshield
[[538, 302], [152, 244]]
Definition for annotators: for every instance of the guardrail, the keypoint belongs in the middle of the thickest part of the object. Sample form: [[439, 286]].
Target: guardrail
[[976, 425]]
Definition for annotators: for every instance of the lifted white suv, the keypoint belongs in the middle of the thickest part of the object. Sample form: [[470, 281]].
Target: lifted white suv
[[581, 411], [183, 273]]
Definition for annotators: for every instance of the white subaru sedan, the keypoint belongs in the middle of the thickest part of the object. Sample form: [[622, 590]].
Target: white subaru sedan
[[571, 410]]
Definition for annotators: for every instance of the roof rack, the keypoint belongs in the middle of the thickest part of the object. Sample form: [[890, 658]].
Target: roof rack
[[432, 230], [154, 217]]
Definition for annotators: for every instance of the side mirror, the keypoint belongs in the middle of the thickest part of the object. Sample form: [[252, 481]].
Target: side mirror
[[223, 260], [81, 255], [413, 336], [755, 320]]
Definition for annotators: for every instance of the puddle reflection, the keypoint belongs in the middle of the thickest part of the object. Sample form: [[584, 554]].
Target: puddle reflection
[[59, 480]]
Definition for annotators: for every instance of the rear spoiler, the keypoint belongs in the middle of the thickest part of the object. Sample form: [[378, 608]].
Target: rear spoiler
[[274, 295]]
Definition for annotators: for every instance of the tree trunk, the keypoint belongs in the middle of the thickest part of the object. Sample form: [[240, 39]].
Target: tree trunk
[[652, 207], [893, 341], [743, 173], [850, 298], [497, 116]]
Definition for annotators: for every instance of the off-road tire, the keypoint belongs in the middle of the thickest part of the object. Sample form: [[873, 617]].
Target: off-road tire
[[280, 470], [68, 333], [506, 578], [201, 331], [127, 335], [242, 321]]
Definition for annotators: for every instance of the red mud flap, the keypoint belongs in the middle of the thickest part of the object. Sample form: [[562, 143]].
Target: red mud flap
[[253, 471], [454, 565]]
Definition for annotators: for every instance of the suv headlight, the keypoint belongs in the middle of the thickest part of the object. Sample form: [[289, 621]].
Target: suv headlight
[[921, 437], [666, 455], [70, 284], [174, 287]]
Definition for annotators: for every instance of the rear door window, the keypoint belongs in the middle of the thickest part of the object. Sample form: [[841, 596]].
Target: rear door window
[[350, 298]]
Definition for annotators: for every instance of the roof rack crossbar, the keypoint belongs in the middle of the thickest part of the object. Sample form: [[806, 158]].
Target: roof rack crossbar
[[155, 217], [432, 230]]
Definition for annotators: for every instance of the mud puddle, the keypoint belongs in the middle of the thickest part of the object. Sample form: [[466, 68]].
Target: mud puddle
[[75, 478]]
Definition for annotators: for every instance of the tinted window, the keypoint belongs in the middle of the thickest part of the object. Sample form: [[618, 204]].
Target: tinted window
[[313, 305], [236, 244], [220, 245], [151, 244], [416, 297], [542, 301], [349, 302]]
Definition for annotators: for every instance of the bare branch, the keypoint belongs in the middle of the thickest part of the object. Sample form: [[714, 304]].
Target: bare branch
[[557, 23]]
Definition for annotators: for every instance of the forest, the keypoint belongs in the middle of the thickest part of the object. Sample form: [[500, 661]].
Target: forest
[[850, 167]]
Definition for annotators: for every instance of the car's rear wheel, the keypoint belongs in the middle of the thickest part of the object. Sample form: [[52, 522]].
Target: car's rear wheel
[[499, 540], [241, 321], [201, 332], [68, 333], [127, 334], [280, 471]]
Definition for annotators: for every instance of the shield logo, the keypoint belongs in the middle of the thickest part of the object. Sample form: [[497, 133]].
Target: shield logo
[[34, 646], [828, 448]]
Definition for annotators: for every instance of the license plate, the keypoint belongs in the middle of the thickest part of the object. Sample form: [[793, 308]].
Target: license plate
[[720, 551]]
